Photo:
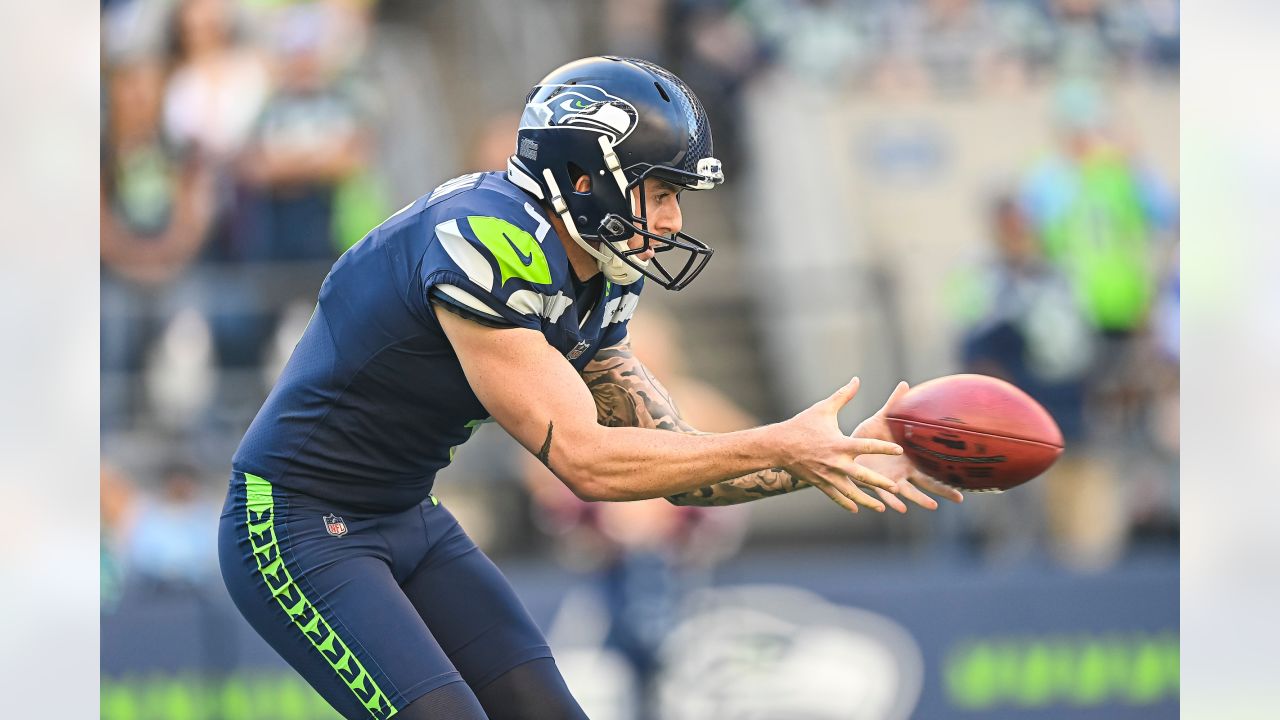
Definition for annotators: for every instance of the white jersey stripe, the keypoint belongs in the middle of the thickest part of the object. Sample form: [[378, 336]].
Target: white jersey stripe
[[465, 255], [466, 299]]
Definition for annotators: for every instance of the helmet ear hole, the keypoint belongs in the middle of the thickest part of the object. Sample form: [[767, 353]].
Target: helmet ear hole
[[580, 178], [662, 92]]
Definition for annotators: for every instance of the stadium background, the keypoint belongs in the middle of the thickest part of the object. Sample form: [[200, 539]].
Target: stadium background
[[914, 188]]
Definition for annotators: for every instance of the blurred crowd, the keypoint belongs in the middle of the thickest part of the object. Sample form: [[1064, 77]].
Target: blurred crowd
[[235, 165], [245, 145]]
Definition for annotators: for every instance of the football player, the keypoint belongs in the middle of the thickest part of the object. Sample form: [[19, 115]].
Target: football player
[[504, 297]]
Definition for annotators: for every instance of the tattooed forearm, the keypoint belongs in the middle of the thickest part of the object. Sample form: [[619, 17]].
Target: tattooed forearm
[[544, 454], [628, 395], [763, 484]]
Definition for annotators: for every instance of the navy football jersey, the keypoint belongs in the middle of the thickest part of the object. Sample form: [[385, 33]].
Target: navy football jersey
[[373, 401]]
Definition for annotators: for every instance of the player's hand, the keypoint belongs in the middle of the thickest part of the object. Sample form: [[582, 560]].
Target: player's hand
[[909, 481], [824, 457]]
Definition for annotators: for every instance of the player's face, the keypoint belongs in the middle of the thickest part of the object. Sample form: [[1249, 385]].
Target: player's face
[[662, 210]]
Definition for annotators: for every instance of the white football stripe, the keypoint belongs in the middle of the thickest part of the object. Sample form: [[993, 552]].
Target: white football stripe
[[628, 308], [457, 183], [529, 302], [620, 309], [526, 302], [609, 309], [466, 299], [465, 255], [556, 305], [543, 225]]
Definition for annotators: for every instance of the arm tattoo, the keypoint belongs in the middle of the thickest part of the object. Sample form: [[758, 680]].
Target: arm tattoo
[[544, 454], [628, 395], [761, 484]]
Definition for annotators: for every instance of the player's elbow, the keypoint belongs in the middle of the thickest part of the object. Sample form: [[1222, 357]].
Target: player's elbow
[[593, 472], [589, 483], [588, 486], [585, 486], [588, 491]]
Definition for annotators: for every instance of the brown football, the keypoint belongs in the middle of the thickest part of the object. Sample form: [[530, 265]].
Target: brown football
[[977, 433]]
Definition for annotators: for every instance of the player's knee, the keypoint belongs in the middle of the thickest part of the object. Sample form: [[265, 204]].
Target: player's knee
[[532, 691], [454, 701]]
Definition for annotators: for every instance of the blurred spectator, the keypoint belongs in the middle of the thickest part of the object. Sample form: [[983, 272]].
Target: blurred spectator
[[293, 148], [172, 541], [335, 34], [218, 85], [644, 553], [219, 82], [1098, 212], [156, 209], [308, 139], [1025, 327]]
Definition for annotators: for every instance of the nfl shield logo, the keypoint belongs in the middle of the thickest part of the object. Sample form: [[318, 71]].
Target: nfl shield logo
[[578, 349], [336, 526]]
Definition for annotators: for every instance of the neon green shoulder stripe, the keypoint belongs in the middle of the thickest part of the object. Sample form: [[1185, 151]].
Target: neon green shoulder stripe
[[305, 616], [518, 254]]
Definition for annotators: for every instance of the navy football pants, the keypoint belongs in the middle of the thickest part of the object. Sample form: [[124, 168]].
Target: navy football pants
[[373, 610]]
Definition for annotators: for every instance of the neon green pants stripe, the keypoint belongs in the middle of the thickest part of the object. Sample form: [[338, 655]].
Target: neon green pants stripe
[[262, 536]]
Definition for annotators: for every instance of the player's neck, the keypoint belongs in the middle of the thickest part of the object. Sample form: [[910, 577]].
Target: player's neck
[[584, 265]]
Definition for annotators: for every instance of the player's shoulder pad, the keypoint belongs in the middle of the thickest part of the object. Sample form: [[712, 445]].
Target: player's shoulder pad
[[496, 235]]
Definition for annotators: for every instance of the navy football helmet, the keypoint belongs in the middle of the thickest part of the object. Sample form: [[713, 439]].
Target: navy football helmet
[[619, 121]]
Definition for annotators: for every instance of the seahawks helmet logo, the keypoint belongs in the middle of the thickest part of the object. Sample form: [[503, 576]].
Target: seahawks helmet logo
[[580, 106]]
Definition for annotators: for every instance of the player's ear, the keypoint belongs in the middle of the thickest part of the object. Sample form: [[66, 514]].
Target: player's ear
[[583, 183]]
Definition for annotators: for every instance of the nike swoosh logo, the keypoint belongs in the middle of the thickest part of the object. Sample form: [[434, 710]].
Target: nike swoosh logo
[[526, 259]]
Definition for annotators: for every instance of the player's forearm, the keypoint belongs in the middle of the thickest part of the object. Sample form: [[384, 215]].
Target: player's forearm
[[628, 463], [628, 395], [755, 486]]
